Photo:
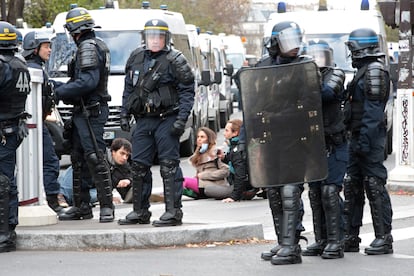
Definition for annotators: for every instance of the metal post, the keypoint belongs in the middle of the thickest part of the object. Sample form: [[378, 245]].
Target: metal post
[[30, 162], [404, 163]]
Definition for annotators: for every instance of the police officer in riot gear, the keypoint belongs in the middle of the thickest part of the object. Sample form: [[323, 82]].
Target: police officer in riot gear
[[159, 93], [368, 94], [325, 201], [285, 201], [36, 51], [14, 88], [87, 91]]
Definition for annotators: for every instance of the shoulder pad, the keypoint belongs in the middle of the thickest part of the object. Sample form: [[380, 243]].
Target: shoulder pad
[[182, 68], [265, 61], [335, 79], [376, 78], [88, 56]]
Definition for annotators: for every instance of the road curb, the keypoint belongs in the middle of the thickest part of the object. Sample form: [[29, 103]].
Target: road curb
[[135, 238]]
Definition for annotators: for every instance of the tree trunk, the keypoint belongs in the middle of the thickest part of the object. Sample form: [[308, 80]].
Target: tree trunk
[[15, 11]]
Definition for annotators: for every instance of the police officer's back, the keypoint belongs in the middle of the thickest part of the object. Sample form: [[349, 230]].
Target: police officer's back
[[14, 88], [87, 92]]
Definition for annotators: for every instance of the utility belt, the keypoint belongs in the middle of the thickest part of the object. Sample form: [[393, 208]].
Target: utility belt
[[14, 126], [94, 109], [9, 127], [160, 113]]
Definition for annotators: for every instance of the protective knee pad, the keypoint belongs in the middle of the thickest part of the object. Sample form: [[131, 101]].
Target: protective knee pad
[[96, 164], [140, 170], [4, 185], [168, 168], [290, 197], [275, 199], [353, 190], [374, 188]]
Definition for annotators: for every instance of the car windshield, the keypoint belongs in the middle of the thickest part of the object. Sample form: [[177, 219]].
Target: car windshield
[[120, 44], [341, 53], [236, 59]]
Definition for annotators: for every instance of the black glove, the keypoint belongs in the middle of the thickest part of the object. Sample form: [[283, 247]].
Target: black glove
[[178, 128], [125, 123]]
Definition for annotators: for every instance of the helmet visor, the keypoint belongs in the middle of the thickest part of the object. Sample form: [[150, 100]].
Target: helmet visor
[[155, 40], [289, 39], [322, 55]]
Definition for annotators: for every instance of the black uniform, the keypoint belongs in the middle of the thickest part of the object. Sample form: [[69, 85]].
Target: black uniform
[[14, 88], [366, 173], [87, 91], [159, 92]]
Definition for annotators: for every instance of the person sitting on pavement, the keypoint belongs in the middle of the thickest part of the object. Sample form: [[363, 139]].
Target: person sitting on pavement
[[121, 176], [236, 157], [211, 177]]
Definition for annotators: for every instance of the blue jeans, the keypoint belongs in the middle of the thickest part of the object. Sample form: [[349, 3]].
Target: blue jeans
[[66, 186], [50, 164]]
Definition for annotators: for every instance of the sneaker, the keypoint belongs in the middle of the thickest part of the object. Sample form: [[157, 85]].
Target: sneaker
[[190, 193], [62, 201]]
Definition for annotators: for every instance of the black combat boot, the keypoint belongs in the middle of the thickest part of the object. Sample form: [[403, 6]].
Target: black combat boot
[[138, 214], [353, 211], [382, 243], [172, 194], [275, 203], [77, 213], [52, 201], [7, 233], [102, 180], [319, 227], [331, 200], [290, 253]]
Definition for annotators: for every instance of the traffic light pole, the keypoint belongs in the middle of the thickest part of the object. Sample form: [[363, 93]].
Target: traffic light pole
[[404, 153]]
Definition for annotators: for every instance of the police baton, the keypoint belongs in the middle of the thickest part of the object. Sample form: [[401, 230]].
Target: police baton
[[85, 113]]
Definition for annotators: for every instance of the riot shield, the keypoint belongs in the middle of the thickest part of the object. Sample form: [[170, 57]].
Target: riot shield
[[282, 114]]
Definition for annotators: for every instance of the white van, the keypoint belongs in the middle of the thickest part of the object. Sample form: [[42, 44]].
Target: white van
[[236, 54], [122, 31], [334, 27]]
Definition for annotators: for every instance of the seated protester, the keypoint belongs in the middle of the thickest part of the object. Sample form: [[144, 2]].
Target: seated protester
[[120, 168], [118, 160], [236, 157], [211, 177]]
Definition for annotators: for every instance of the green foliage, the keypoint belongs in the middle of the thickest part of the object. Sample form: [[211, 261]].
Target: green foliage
[[36, 15], [209, 15], [392, 34]]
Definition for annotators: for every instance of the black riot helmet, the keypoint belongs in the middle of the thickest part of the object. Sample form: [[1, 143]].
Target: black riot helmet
[[157, 29], [8, 36], [33, 40], [363, 43], [79, 20], [286, 36], [321, 52]]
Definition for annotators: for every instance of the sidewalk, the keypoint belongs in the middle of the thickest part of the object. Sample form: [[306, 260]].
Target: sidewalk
[[199, 225]]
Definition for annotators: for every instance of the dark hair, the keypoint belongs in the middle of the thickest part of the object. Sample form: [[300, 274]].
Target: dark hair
[[211, 140], [118, 143]]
